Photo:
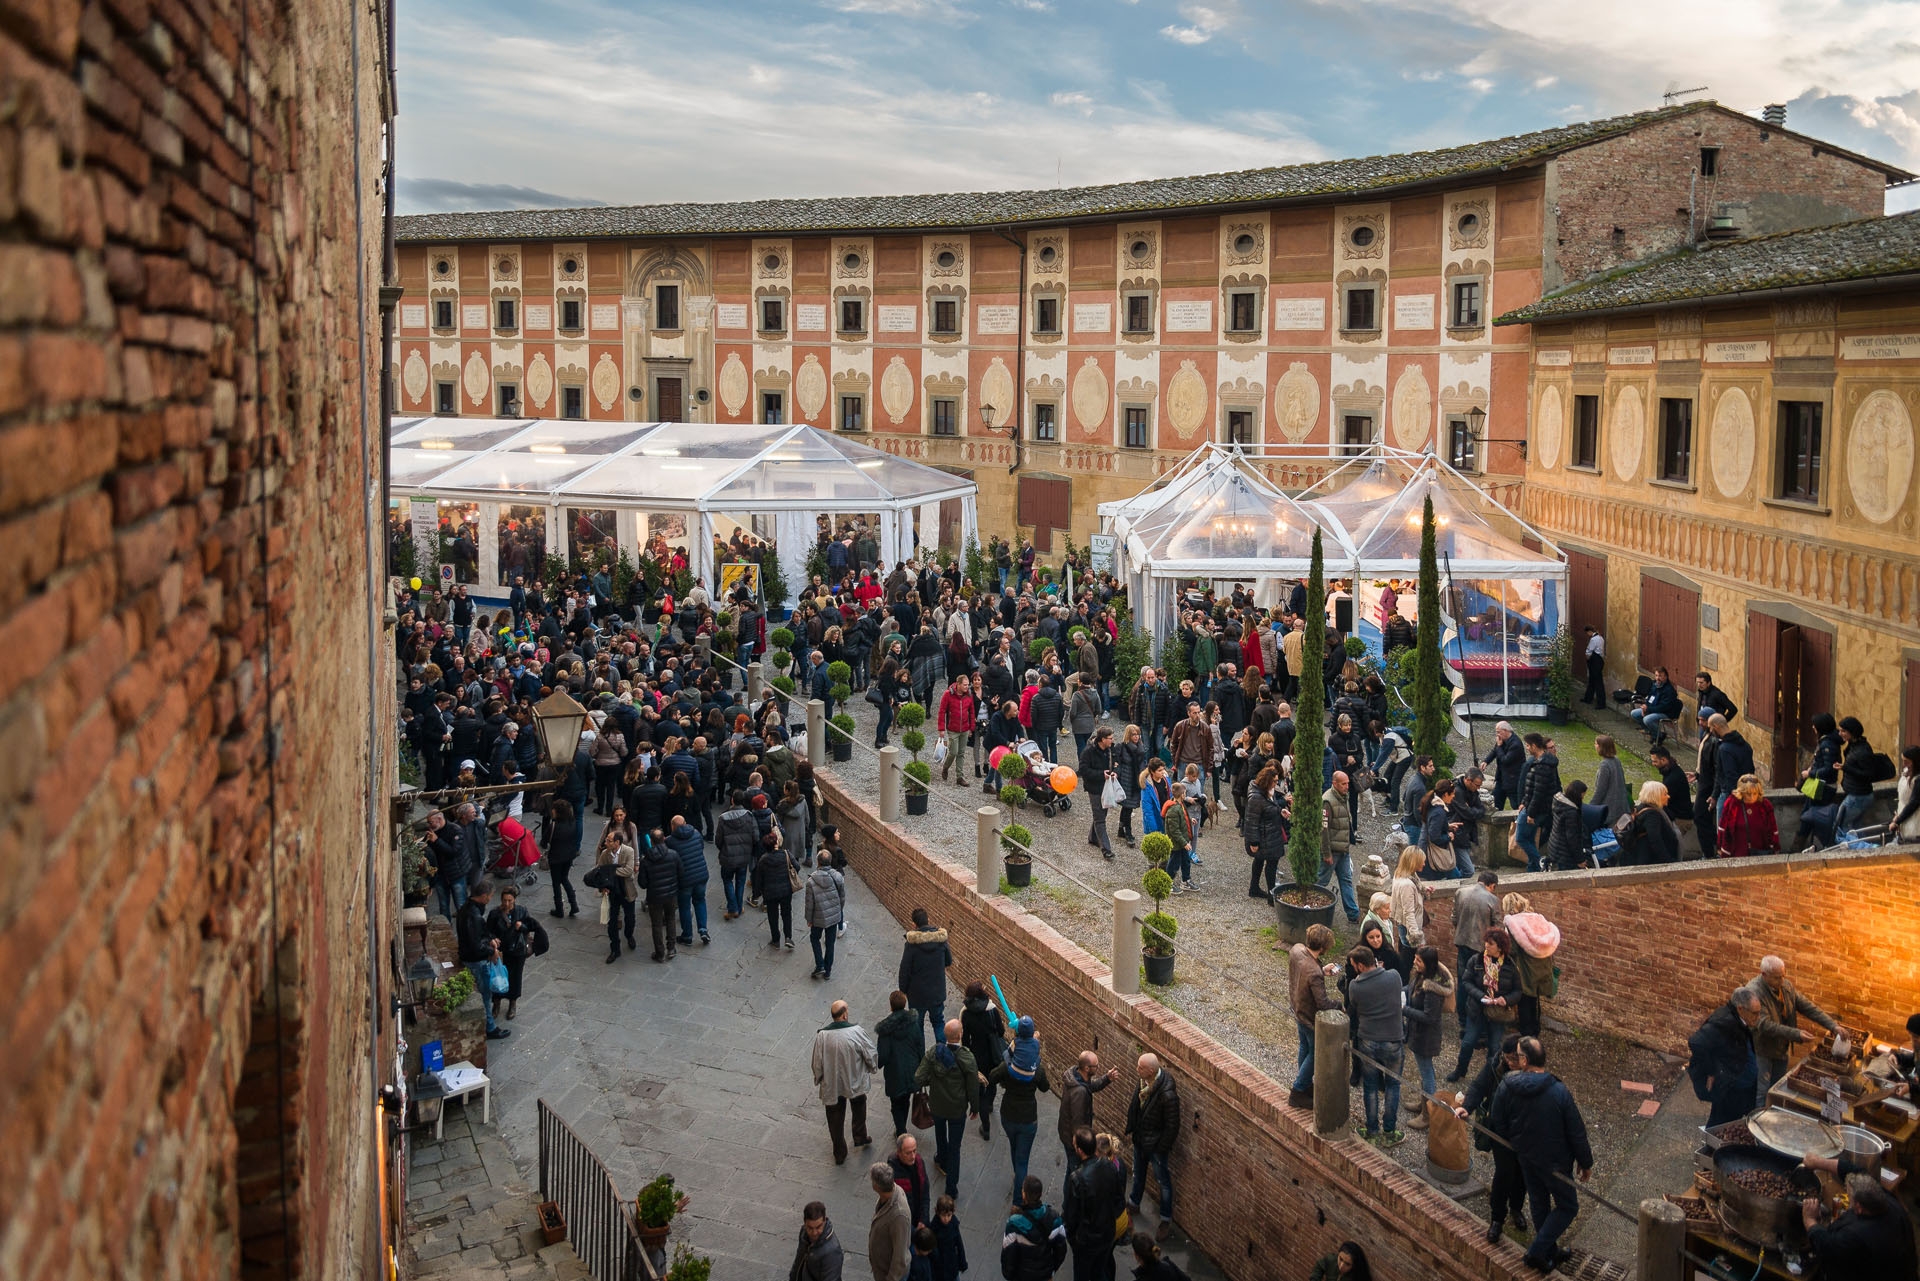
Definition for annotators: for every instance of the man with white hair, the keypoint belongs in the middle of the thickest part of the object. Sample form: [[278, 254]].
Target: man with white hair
[[1153, 1123], [1781, 1004], [1506, 757], [844, 1057]]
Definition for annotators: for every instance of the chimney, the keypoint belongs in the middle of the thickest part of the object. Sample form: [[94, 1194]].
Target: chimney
[[1775, 114]]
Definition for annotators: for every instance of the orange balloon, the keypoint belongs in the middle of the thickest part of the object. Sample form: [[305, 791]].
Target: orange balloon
[[1064, 779]]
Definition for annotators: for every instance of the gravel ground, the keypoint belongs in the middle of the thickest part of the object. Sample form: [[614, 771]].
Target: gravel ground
[[1228, 978]]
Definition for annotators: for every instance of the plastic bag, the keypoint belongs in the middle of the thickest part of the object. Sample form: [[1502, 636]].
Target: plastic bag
[[497, 981], [940, 752], [1112, 794]]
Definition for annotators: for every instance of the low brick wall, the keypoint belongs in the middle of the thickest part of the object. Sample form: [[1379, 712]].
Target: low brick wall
[[1646, 953], [1256, 1188]]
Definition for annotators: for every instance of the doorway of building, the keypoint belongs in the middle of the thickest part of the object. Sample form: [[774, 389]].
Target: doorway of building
[[1789, 682]]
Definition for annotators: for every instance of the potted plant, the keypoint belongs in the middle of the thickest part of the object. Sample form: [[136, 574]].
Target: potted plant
[[1015, 841], [415, 883], [1157, 931], [1156, 848], [781, 639], [840, 688], [1560, 677], [654, 1208], [911, 717], [841, 739], [688, 1266], [553, 1225], [1011, 769], [1300, 903], [919, 777], [452, 992], [1038, 650]]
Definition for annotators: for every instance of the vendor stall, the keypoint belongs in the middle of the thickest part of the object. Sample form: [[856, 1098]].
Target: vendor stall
[[522, 489]]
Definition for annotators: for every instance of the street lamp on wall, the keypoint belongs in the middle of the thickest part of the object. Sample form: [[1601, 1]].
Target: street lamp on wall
[[560, 720]]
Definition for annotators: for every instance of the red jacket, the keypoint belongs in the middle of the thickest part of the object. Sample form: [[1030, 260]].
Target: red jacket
[[956, 713], [1748, 829], [1026, 705]]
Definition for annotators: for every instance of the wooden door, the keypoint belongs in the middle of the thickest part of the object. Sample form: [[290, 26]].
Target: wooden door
[[1786, 715], [671, 406], [1586, 599], [950, 525], [1816, 682]]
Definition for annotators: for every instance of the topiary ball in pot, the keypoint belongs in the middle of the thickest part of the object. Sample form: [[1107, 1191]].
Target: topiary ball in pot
[[1013, 796], [1012, 766], [920, 772], [1158, 885], [1016, 840], [780, 638], [1156, 848], [1156, 934]]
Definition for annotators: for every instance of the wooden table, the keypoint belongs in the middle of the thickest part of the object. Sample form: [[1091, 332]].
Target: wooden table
[[475, 1085]]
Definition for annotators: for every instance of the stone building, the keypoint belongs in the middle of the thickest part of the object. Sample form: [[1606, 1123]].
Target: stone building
[[1063, 347], [195, 697], [1723, 442]]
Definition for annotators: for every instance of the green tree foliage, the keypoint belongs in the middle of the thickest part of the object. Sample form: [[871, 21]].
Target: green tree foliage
[[1432, 701], [1310, 725], [1132, 650]]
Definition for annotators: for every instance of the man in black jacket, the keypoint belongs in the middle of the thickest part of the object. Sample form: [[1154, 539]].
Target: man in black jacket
[[1506, 756], [1679, 804], [1721, 1061], [1535, 1112], [1096, 767], [1706, 776], [1153, 1122], [479, 949], [1094, 1199], [447, 853], [660, 875], [1541, 785], [1035, 1241]]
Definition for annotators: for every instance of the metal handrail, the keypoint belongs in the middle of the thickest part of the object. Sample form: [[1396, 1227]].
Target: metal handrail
[[600, 1226]]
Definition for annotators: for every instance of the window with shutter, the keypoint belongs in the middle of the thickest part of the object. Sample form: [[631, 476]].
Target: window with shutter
[[1910, 703], [1816, 682]]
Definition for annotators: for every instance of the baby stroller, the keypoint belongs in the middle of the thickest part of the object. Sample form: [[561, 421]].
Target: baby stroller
[[1038, 780], [518, 853]]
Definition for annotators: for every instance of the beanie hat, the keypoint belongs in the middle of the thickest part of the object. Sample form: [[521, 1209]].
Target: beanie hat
[[1023, 1061]]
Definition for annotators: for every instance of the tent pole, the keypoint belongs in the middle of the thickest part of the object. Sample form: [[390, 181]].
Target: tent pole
[[1460, 643], [1506, 698]]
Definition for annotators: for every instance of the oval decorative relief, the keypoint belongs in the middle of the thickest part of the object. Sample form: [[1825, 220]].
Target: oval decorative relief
[[474, 379], [1731, 442], [1296, 402], [1090, 395], [810, 387], [1629, 430], [733, 383], [413, 375], [1186, 401], [1549, 427], [606, 381], [996, 389], [1412, 408], [1880, 456], [539, 380], [896, 390]]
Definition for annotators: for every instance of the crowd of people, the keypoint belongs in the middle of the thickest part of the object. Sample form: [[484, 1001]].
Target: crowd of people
[[675, 757]]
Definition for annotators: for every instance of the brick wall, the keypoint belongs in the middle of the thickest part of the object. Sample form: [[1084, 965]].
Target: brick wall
[[1641, 182], [1256, 1188], [185, 819], [1647, 953]]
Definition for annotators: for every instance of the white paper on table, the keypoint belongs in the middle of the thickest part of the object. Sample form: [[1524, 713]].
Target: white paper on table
[[458, 1079]]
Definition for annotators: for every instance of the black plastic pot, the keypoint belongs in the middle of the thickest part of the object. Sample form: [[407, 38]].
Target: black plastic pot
[[842, 748], [1159, 968], [1293, 921], [1557, 715], [916, 801], [1019, 870]]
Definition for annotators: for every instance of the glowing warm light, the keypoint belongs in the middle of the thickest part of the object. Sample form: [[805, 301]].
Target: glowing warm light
[[546, 449], [436, 444]]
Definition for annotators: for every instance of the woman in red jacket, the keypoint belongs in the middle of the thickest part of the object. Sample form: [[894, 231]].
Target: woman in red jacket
[[1747, 824]]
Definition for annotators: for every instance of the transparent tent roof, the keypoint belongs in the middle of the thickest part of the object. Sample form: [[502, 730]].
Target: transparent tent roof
[[1467, 534], [1226, 520], [659, 466]]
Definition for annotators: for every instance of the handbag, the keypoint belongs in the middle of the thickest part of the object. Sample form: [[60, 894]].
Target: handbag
[[497, 981], [1122, 1225], [875, 697], [793, 875], [1439, 858], [922, 1112], [1363, 780], [940, 752]]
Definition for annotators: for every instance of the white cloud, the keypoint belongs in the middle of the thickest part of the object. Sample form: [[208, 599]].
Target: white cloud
[[1545, 82], [1204, 22], [1480, 84], [1033, 6], [943, 9], [1073, 101]]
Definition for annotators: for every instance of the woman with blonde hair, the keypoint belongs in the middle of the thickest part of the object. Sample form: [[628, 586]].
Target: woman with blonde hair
[[1651, 837], [1747, 824], [1409, 898]]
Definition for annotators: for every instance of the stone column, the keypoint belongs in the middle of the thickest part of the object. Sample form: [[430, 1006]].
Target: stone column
[[816, 733], [1126, 942], [986, 854], [1330, 1068], [889, 784]]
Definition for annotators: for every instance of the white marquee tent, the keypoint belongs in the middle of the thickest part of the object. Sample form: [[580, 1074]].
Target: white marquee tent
[[791, 473]]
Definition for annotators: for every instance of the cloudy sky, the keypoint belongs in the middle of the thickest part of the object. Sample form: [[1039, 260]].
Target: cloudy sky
[[610, 102]]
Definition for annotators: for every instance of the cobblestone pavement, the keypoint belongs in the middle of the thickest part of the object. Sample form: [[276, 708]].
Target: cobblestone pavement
[[700, 1068], [471, 1214]]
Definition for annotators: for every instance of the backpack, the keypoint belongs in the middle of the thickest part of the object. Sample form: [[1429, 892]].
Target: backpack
[[1626, 832], [1882, 767]]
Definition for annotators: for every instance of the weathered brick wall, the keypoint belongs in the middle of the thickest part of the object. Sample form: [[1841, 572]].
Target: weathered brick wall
[[184, 656], [1641, 182], [1255, 1187], [1647, 953]]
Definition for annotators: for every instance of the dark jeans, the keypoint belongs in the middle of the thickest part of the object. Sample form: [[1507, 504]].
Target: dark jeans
[[693, 909], [1126, 819], [934, 1016], [1553, 1203], [1093, 1262], [734, 884], [779, 917], [1474, 1032], [836, 1125], [660, 917], [1596, 691], [948, 1132], [1525, 835], [1097, 833], [1461, 955], [1509, 1192], [1265, 867], [622, 910], [1141, 1157], [1303, 1079], [479, 971], [902, 1105], [1382, 1082], [606, 789], [561, 874], [452, 897], [822, 957]]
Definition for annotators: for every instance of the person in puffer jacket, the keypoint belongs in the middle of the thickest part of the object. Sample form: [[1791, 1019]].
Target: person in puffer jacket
[[660, 877], [738, 840], [826, 904], [684, 839]]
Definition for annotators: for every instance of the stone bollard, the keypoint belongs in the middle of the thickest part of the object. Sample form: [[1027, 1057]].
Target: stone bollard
[[816, 733], [1662, 1241], [1331, 1046], [756, 688], [703, 647], [1126, 942], [889, 784], [986, 854]]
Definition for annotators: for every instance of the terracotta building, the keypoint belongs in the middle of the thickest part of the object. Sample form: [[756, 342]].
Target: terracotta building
[[197, 692], [1114, 327], [1723, 442]]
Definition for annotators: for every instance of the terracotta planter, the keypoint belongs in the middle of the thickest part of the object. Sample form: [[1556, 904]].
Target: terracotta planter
[[553, 1226], [654, 1240]]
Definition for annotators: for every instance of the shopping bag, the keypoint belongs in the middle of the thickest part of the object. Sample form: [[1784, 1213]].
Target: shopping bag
[[940, 752], [606, 908], [1113, 793], [497, 981]]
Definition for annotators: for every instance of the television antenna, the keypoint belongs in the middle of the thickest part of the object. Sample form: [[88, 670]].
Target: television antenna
[[1674, 91]]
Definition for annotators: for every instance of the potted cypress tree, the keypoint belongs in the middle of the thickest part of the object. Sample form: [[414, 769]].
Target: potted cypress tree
[[1300, 903], [1015, 841], [1157, 931], [840, 736], [1432, 693], [911, 717], [1560, 677]]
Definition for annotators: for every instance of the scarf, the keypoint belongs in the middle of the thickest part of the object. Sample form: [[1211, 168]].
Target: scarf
[[943, 1054]]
